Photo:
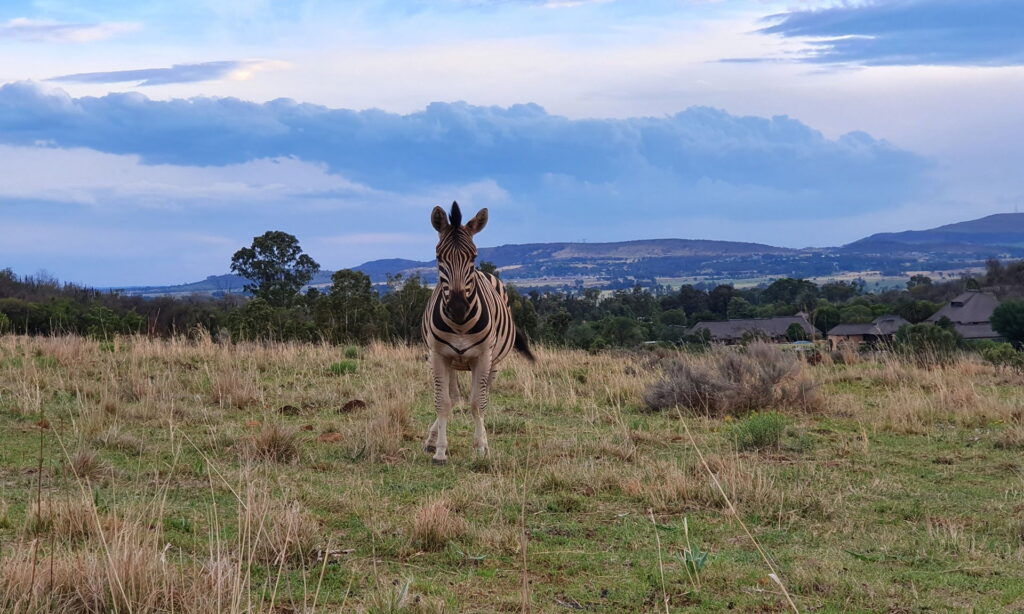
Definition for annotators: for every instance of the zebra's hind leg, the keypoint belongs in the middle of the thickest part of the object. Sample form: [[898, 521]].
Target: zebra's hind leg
[[437, 437], [453, 388]]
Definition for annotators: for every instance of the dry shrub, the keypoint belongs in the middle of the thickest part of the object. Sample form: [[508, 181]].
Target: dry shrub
[[668, 488], [435, 524], [68, 520], [733, 383], [274, 443], [85, 464], [665, 487], [131, 572], [231, 387], [116, 439], [383, 436], [1011, 438], [285, 534]]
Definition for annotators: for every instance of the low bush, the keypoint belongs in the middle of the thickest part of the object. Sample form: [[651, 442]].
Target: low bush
[[735, 383], [928, 344], [759, 431], [344, 367], [1001, 354]]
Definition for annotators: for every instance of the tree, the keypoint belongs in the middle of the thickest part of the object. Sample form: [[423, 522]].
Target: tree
[[489, 268], [718, 300], [1008, 321], [405, 304], [350, 311], [917, 282], [826, 317], [917, 311], [856, 314], [275, 267], [740, 307], [926, 342], [795, 332]]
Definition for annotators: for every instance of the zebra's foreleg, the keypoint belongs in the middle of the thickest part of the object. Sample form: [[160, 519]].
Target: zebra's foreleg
[[483, 375], [437, 437]]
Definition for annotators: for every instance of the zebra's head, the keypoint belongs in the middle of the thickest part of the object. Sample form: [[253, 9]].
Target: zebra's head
[[456, 259]]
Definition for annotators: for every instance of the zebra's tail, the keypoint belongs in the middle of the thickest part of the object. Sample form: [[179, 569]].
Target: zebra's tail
[[522, 345]]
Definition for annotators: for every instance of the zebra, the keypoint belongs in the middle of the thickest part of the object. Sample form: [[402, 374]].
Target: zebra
[[467, 324]]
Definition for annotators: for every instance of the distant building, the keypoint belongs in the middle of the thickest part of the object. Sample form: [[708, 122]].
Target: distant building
[[735, 331], [880, 330], [970, 313]]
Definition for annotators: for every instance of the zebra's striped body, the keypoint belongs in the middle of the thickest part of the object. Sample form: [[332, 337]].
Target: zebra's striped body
[[467, 325], [490, 322]]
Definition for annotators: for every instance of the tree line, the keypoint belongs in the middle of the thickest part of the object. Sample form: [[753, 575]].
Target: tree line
[[280, 306]]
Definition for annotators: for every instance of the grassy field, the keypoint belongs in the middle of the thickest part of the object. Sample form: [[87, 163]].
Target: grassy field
[[185, 476]]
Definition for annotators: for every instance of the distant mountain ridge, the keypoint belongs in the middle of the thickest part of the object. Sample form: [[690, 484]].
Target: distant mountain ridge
[[952, 248], [1001, 229]]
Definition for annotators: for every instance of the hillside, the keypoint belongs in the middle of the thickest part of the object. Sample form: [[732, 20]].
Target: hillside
[[885, 257], [1005, 229]]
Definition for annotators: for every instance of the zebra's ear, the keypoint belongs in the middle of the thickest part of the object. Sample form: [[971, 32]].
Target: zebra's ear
[[478, 222], [439, 219]]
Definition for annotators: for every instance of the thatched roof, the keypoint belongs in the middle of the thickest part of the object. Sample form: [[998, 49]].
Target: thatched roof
[[882, 326], [735, 330], [971, 307]]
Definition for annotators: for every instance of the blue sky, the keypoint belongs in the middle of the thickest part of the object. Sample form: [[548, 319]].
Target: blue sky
[[144, 142]]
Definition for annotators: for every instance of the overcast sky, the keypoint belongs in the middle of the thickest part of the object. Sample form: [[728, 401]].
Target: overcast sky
[[144, 142]]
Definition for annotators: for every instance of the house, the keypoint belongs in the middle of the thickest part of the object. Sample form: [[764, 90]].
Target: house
[[970, 313], [880, 330], [735, 331]]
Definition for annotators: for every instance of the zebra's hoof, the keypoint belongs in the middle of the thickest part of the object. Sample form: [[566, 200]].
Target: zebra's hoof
[[439, 461], [429, 448]]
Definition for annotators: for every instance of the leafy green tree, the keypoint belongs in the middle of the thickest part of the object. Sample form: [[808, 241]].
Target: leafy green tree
[[795, 332], [673, 317], [740, 307], [556, 326], [1008, 321], [825, 317], [799, 293], [917, 311], [523, 313], [927, 342], [718, 300], [275, 266], [919, 283], [405, 302], [856, 314], [622, 331], [350, 312], [838, 291], [490, 268]]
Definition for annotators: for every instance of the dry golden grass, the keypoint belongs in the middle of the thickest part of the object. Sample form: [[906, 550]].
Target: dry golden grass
[[205, 477], [434, 524], [273, 442]]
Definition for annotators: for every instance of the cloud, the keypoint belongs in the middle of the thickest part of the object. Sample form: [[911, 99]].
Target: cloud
[[179, 73], [698, 159], [53, 31], [910, 32]]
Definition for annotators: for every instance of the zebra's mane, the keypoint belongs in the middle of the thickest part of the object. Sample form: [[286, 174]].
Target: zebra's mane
[[455, 218]]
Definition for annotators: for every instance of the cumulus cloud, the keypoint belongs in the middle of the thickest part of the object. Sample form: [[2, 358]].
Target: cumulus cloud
[[550, 166], [910, 32], [53, 31], [178, 73]]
